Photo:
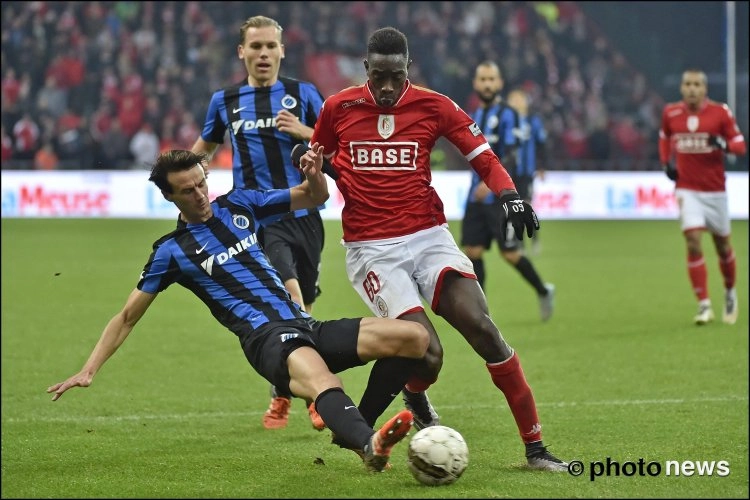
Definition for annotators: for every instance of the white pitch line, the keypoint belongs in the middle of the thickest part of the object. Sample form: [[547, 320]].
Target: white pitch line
[[500, 405]]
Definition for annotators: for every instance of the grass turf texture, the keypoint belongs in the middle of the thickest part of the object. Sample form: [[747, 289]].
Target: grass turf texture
[[620, 371]]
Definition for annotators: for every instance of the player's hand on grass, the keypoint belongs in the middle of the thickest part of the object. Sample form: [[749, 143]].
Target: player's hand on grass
[[519, 214], [77, 380]]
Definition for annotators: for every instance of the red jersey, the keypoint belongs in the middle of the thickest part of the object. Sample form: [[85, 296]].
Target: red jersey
[[382, 158], [684, 134]]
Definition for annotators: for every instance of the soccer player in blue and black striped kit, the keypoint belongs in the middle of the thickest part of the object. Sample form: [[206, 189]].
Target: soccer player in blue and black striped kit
[[532, 140], [482, 220], [216, 255], [266, 115]]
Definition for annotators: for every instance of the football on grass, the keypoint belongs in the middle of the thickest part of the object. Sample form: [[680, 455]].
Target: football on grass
[[437, 455]]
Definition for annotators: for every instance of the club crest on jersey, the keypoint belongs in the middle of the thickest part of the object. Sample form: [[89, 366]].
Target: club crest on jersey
[[692, 123], [386, 126], [240, 221], [288, 102], [382, 306]]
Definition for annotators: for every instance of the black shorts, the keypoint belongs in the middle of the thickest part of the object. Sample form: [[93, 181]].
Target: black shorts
[[482, 224], [268, 347], [294, 246]]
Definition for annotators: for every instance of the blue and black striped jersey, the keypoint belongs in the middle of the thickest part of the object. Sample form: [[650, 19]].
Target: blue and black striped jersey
[[221, 262], [496, 123], [531, 135], [261, 154]]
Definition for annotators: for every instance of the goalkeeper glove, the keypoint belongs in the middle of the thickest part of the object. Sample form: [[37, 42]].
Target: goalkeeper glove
[[670, 171], [717, 141], [519, 214]]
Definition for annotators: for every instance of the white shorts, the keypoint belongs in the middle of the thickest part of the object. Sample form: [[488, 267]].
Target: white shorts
[[390, 275], [704, 210]]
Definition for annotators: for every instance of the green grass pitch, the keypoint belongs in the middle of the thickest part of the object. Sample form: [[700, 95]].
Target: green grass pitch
[[619, 373]]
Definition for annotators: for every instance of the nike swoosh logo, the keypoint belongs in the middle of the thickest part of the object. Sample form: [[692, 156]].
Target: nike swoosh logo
[[201, 249], [238, 109], [349, 407]]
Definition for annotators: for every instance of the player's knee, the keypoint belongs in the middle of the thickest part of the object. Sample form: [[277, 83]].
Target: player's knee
[[473, 253], [419, 341], [694, 249], [311, 385], [511, 256], [484, 337], [433, 358]]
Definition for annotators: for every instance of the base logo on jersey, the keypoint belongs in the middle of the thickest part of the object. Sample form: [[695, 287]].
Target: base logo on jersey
[[692, 123], [687, 143], [386, 126], [372, 155]]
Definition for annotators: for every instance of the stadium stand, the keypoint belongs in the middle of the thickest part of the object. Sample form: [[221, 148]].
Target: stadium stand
[[80, 79]]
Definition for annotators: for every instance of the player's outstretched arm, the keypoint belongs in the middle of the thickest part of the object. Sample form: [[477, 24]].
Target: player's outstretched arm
[[114, 334]]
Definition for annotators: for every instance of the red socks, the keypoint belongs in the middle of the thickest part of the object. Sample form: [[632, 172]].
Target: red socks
[[698, 275], [415, 384], [508, 377]]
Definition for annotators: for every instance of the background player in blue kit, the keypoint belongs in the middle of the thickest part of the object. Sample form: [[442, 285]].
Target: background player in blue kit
[[483, 215], [266, 116], [531, 151]]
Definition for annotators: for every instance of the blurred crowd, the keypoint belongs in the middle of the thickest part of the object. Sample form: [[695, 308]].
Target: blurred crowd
[[106, 85]]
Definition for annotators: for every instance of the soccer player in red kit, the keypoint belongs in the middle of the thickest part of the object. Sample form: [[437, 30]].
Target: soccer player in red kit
[[399, 249], [697, 132]]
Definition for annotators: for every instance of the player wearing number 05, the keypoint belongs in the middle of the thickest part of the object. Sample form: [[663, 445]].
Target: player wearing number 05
[[399, 249], [695, 135]]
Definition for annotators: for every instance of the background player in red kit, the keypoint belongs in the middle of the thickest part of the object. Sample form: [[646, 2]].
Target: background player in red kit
[[398, 246], [697, 132]]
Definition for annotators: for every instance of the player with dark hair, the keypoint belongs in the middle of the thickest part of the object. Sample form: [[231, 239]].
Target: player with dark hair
[[695, 135], [483, 214], [266, 116], [399, 249], [217, 256]]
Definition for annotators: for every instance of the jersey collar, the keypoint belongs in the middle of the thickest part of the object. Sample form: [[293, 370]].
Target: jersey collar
[[369, 95], [701, 107]]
